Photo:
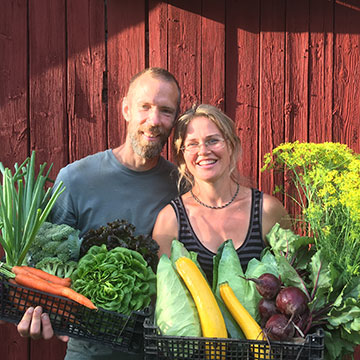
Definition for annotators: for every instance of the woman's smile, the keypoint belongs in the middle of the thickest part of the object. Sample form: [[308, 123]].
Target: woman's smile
[[205, 162]]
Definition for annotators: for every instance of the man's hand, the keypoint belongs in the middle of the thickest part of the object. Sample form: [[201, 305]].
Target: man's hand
[[37, 325]]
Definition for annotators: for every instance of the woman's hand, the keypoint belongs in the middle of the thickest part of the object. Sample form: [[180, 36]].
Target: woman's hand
[[36, 325]]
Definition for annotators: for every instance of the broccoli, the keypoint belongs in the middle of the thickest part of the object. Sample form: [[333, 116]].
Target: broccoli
[[59, 242], [55, 266], [70, 248]]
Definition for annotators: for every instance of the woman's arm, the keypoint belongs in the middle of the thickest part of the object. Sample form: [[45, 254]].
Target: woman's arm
[[165, 229], [274, 212]]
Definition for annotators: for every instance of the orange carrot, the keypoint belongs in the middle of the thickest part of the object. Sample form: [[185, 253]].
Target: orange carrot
[[81, 299], [23, 299], [34, 282], [42, 274]]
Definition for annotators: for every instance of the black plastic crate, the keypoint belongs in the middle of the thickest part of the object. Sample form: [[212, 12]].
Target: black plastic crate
[[157, 346], [119, 331]]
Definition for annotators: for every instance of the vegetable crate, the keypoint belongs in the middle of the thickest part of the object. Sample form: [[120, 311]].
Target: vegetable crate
[[121, 332], [157, 346]]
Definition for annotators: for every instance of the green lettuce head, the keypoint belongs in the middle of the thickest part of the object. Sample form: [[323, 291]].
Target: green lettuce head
[[118, 280]]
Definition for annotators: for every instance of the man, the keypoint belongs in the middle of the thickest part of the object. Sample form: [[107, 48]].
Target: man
[[131, 182]]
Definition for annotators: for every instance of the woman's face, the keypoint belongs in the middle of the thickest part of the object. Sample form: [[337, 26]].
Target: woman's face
[[206, 153]]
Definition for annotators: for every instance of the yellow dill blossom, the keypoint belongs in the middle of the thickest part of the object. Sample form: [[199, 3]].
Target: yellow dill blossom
[[326, 177]]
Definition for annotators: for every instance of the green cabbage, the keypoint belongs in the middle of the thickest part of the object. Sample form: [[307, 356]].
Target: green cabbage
[[118, 280], [175, 310]]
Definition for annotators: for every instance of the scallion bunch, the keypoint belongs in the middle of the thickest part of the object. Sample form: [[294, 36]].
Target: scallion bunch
[[24, 206]]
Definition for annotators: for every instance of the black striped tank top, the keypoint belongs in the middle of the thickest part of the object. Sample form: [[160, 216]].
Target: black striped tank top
[[251, 247]]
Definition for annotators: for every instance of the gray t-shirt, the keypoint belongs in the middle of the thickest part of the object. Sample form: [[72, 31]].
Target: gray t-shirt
[[100, 190]]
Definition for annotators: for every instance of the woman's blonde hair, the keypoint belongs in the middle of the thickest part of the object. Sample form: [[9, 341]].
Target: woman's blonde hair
[[227, 129]]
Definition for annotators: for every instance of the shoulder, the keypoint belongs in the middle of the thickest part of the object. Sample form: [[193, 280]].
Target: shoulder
[[82, 167], [271, 202], [168, 167], [167, 216], [86, 162], [165, 229], [166, 163], [274, 212]]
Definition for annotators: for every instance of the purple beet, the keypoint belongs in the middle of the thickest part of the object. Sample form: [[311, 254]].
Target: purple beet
[[267, 308], [268, 285], [279, 328], [292, 301]]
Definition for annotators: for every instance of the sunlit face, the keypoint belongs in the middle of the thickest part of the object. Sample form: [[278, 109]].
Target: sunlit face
[[150, 109], [206, 164]]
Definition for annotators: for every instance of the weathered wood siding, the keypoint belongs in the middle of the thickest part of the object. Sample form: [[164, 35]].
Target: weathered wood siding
[[283, 69]]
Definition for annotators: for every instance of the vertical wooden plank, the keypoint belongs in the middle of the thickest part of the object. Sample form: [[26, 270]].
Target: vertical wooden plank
[[213, 53], [346, 118], [297, 70], [184, 50], [12, 346], [48, 129], [272, 61], [242, 78], [296, 80], [86, 66], [346, 113], [13, 79], [126, 56], [53, 349], [158, 46], [184, 44], [13, 89], [321, 70], [158, 24]]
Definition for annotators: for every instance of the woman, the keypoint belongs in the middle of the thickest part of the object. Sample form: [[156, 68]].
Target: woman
[[217, 207]]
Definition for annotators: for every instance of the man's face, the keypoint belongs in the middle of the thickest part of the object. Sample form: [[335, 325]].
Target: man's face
[[150, 108]]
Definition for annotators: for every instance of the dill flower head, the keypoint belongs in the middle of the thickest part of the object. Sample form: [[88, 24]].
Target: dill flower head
[[326, 177]]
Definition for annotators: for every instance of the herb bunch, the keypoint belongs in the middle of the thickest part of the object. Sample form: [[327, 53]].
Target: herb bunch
[[326, 177]]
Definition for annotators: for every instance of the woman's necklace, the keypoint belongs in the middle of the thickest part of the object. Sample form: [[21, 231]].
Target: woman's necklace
[[216, 207]]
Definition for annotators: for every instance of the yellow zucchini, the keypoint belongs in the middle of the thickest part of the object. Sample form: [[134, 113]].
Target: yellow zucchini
[[249, 326], [211, 320], [247, 323]]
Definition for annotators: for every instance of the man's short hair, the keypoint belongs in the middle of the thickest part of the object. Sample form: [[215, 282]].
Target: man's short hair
[[159, 73]]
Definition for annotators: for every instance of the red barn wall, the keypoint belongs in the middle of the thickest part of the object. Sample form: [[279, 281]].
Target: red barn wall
[[283, 70]]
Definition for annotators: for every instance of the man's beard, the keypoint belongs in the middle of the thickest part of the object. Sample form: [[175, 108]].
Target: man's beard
[[149, 150]]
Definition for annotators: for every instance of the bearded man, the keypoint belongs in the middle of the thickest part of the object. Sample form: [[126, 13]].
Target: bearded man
[[132, 182]]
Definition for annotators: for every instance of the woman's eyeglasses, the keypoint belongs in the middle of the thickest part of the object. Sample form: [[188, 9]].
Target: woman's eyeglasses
[[212, 144]]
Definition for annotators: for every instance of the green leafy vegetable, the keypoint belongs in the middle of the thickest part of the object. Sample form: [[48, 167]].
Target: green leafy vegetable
[[334, 306], [24, 207], [121, 233], [175, 310], [117, 280]]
